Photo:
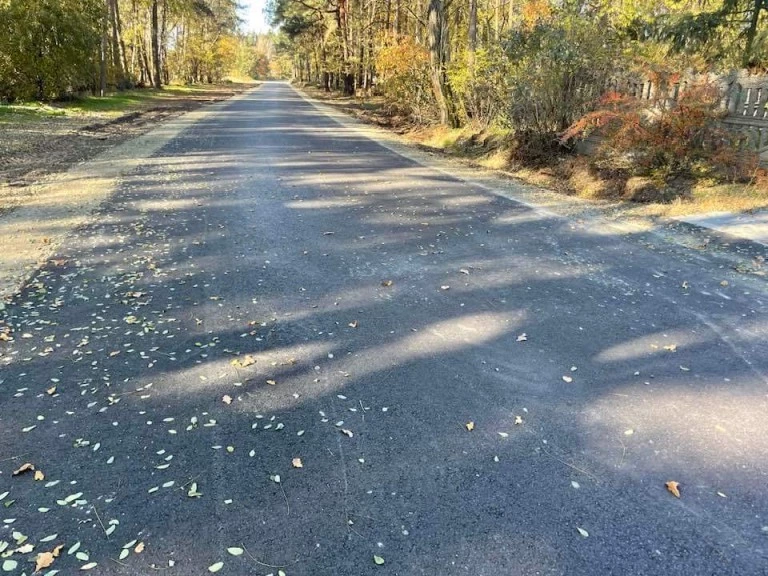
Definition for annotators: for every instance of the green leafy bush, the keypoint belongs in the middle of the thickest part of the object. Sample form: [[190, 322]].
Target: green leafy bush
[[48, 47], [559, 66], [482, 89]]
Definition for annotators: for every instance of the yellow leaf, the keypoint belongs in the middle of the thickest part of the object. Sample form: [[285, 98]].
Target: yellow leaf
[[297, 463], [139, 548], [57, 550], [39, 475], [44, 560], [470, 426], [674, 488], [28, 467]]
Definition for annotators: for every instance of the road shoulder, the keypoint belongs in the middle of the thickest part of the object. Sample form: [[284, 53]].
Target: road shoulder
[[62, 202], [601, 218]]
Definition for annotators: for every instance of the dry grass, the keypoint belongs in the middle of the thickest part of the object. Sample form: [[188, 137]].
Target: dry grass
[[489, 149]]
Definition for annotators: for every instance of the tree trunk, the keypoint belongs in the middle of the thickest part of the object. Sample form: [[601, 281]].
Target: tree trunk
[[472, 40], [438, 42], [103, 54], [117, 31], [754, 18], [156, 46]]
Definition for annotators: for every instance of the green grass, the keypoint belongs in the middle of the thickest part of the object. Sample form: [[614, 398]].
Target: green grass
[[112, 104]]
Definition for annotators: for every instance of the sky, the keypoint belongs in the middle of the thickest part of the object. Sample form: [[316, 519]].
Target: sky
[[253, 13]]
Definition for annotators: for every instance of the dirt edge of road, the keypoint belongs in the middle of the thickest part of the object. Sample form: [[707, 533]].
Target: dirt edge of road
[[33, 232]]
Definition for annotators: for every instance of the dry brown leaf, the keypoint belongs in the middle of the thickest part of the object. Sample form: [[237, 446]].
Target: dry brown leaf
[[44, 560], [246, 361], [674, 488], [470, 426], [139, 548], [297, 463], [227, 399], [39, 476], [28, 467], [57, 550]]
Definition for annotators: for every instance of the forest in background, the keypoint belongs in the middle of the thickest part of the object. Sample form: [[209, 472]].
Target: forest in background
[[52, 49], [547, 73]]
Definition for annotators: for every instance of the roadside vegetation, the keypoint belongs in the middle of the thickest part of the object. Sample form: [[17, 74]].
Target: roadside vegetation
[[55, 50], [601, 99]]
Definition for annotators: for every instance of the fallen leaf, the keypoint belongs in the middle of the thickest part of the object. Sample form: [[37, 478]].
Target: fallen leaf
[[518, 420], [523, 337], [583, 532], [139, 548], [44, 560], [246, 361], [227, 399], [347, 432], [378, 560], [89, 566], [57, 550], [724, 283], [39, 475], [51, 391], [272, 382], [354, 324], [567, 379], [674, 488], [470, 426], [297, 463], [216, 567], [386, 283], [235, 551], [28, 467]]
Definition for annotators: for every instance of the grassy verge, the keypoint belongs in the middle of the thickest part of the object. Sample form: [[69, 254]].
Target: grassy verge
[[115, 103], [490, 149]]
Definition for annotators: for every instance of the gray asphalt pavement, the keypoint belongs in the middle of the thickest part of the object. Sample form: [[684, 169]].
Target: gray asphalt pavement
[[470, 386]]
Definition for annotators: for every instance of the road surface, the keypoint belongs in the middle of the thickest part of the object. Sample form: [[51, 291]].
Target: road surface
[[469, 385]]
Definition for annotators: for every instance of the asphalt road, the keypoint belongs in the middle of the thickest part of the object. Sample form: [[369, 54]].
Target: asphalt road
[[275, 286]]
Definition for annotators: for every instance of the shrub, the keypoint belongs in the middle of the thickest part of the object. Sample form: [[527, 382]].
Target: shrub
[[403, 70], [559, 65], [666, 140], [483, 90]]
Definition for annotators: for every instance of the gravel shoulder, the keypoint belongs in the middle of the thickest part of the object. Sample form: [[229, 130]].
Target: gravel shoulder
[[38, 142], [36, 217]]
